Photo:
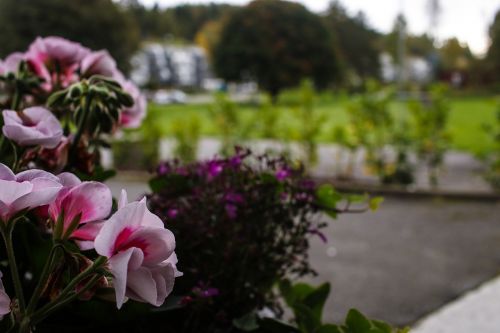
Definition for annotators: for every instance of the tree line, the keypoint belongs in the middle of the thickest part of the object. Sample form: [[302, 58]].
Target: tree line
[[277, 43]]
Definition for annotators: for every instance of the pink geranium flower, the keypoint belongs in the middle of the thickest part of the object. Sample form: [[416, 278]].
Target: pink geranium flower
[[4, 300], [140, 254], [35, 126], [99, 62], [11, 63], [56, 60], [26, 190], [89, 202], [133, 116]]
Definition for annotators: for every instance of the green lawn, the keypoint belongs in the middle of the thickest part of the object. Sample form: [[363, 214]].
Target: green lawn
[[468, 115]]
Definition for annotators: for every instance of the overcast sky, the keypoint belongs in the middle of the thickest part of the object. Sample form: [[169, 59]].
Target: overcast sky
[[468, 20]]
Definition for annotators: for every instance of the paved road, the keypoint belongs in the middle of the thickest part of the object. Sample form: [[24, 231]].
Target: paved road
[[405, 260], [409, 258]]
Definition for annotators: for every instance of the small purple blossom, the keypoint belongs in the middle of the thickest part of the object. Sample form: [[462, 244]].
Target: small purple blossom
[[210, 292], [231, 211], [307, 184], [214, 168], [235, 161], [303, 196], [162, 169], [202, 290], [234, 197], [318, 233], [282, 174], [172, 213]]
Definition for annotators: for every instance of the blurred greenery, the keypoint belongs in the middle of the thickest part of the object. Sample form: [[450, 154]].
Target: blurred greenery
[[97, 24], [465, 123]]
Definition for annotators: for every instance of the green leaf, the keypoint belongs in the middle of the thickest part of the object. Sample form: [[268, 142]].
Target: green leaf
[[296, 293], [329, 328], [269, 325], [247, 323], [306, 319], [157, 184], [301, 291], [357, 198], [286, 291], [375, 203], [357, 323], [317, 299], [328, 196], [381, 327]]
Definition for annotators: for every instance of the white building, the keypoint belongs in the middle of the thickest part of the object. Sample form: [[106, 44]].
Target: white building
[[170, 65]]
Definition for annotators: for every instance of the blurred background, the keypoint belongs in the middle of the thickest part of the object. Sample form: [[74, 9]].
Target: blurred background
[[391, 96]]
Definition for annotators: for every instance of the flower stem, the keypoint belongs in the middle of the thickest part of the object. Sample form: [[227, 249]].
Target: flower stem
[[51, 307], [7, 236], [16, 100], [66, 295], [83, 122], [43, 279]]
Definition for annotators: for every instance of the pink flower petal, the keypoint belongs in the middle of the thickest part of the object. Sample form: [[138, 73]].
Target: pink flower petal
[[99, 62], [91, 199], [32, 174], [126, 219], [88, 231], [6, 173], [156, 244], [119, 266], [141, 286], [67, 179], [44, 191], [38, 126], [11, 191]]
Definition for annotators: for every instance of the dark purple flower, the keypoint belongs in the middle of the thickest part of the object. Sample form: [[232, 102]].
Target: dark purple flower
[[234, 197], [307, 184], [303, 196], [231, 211], [319, 234], [182, 171], [210, 292], [235, 161], [282, 174], [172, 213], [284, 197], [162, 169], [214, 168], [202, 290]]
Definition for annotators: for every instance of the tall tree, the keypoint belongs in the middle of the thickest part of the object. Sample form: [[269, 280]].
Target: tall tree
[[492, 60], [189, 19], [455, 56], [277, 43], [356, 41], [97, 24]]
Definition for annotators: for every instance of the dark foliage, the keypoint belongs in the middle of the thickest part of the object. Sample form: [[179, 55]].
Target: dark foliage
[[98, 24], [276, 43], [356, 41], [241, 223]]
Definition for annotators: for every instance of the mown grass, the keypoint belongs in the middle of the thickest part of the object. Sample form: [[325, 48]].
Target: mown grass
[[466, 122]]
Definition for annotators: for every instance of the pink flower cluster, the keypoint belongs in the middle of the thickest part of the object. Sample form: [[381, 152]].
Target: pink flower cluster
[[60, 62], [138, 249]]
